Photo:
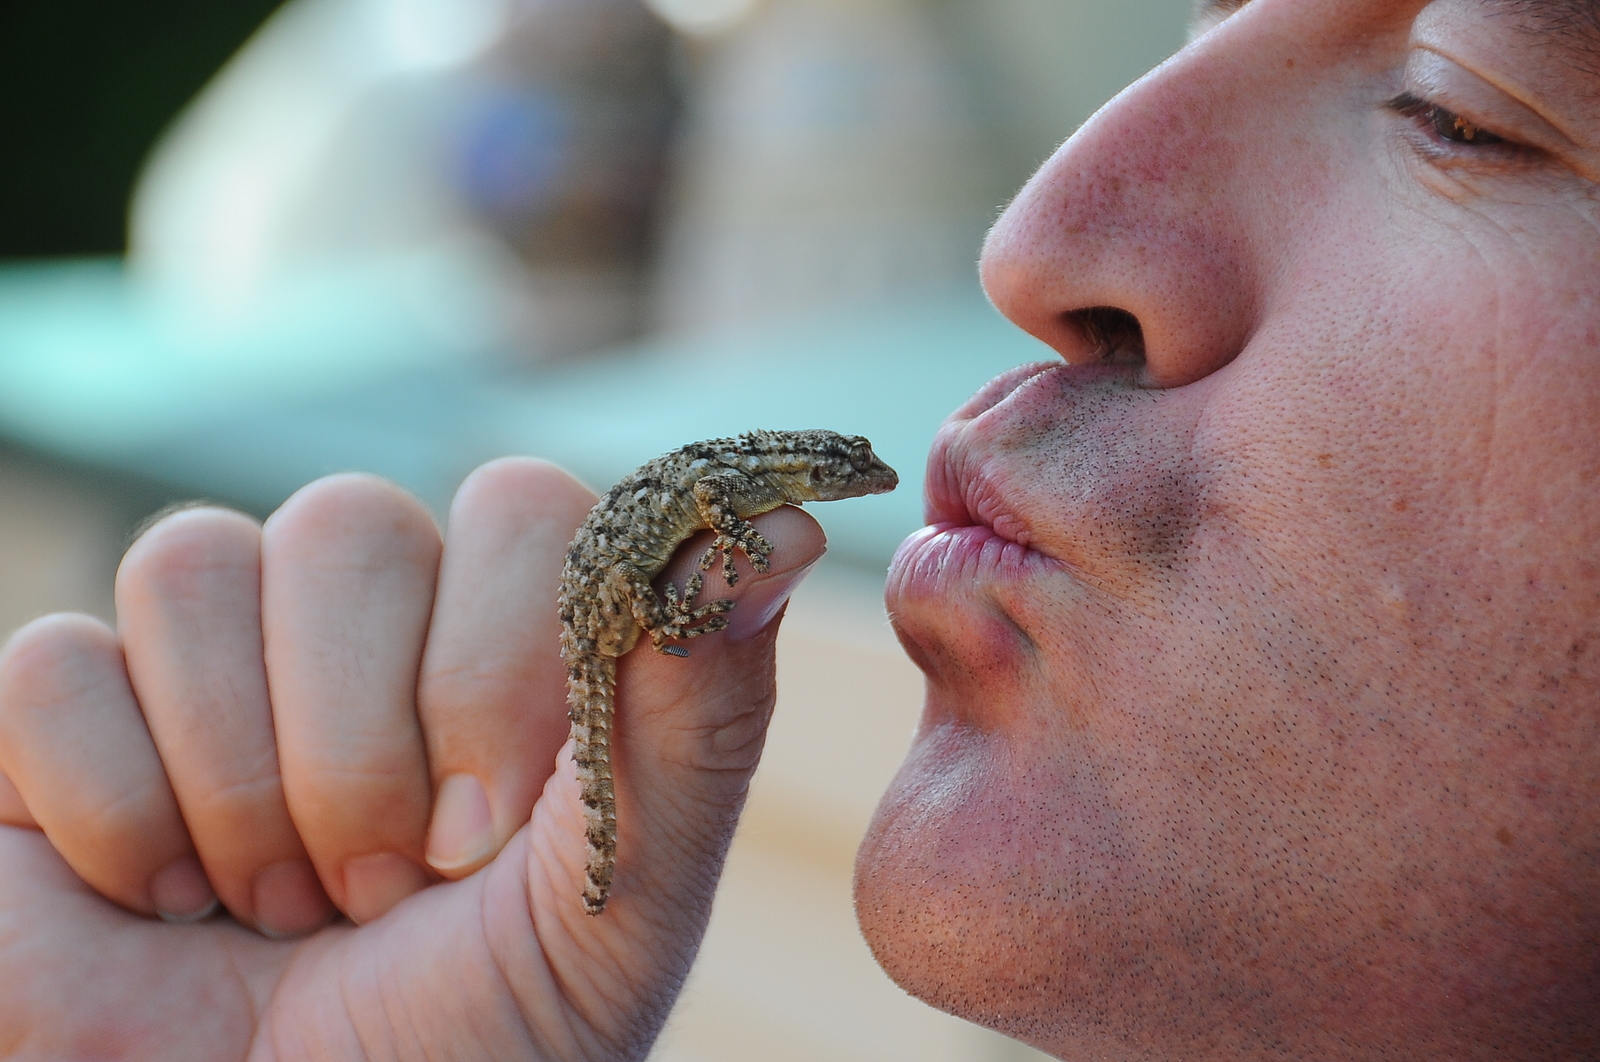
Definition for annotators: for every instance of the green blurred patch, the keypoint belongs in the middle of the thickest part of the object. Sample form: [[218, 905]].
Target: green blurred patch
[[86, 86]]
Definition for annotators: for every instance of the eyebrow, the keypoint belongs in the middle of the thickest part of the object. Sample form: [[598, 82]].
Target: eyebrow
[[1553, 15], [1573, 25], [1215, 10]]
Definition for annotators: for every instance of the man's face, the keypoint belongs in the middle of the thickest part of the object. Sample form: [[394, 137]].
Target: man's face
[[1262, 633]]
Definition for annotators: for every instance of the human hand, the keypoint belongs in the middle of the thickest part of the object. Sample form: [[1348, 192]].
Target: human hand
[[287, 719]]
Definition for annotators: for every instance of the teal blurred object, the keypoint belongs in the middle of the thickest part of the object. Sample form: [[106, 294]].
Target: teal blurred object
[[354, 377]]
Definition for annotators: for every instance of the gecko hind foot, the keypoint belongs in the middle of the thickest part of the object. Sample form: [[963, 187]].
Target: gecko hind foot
[[705, 620], [682, 620]]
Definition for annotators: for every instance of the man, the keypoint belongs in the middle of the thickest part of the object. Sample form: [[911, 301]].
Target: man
[[1260, 634]]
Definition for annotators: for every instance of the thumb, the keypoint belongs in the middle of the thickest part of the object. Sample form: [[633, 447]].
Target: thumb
[[687, 736]]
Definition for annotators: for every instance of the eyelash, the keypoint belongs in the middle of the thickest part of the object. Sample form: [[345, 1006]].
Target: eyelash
[[1445, 124]]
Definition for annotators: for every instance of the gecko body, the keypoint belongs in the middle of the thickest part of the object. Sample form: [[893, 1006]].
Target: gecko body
[[607, 600]]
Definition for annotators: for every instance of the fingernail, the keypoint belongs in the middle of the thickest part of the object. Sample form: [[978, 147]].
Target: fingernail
[[289, 901], [181, 892], [765, 600], [374, 883], [462, 832]]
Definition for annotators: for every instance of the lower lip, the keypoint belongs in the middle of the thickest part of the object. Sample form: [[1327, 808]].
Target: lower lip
[[946, 559]]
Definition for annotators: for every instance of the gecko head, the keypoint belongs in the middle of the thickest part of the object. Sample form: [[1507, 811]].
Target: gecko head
[[807, 466], [844, 466]]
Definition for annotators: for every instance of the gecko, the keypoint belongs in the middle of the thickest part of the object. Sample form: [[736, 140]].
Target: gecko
[[607, 601]]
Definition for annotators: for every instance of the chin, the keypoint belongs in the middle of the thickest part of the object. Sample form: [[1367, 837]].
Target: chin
[[991, 906], [1015, 884]]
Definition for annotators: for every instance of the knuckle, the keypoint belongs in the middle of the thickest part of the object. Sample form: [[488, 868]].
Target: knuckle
[[56, 660], [227, 783], [352, 504], [528, 490], [359, 809], [516, 474], [184, 552], [140, 807]]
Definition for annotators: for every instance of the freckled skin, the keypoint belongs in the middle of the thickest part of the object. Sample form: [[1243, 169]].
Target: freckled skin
[[629, 536], [1283, 738]]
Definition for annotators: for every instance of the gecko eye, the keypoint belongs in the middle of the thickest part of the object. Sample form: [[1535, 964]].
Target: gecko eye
[[861, 456]]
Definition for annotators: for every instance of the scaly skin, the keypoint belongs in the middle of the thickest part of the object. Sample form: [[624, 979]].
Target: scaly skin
[[626, 541]]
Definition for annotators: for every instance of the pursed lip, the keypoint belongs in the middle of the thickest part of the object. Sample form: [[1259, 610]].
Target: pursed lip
[[960, 488], [974, 465], [1000, 388], [983, 496], [971, 537]]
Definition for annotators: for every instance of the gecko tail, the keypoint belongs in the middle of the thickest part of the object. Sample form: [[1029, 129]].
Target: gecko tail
[[597, 873], [591, 695]]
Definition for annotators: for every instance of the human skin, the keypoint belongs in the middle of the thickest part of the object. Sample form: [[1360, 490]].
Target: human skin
[[1262, 640], [315, 689], [1261, 645]]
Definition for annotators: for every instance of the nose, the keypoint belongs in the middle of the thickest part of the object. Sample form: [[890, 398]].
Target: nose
[[1144, 237]]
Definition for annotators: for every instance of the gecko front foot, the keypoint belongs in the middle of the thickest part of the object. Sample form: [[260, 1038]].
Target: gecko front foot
[[717, 497], [744, 538]]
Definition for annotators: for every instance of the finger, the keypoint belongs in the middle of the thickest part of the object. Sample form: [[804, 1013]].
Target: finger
[[687, 737], [348, 571], [761, 596], [13, 812], [189, 612], [74, 744], [492, 697]]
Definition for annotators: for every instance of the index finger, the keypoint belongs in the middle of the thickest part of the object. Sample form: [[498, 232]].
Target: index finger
[[492, 696]]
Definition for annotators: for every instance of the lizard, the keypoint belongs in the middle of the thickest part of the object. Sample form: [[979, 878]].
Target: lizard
[[607, 601]]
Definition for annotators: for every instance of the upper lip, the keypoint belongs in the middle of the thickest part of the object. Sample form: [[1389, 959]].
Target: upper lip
[[1001, 388], [984, 467], [964, 486]]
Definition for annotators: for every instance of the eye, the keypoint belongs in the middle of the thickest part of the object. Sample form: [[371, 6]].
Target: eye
[[1458, 130], [861, 456], [1447, 125]]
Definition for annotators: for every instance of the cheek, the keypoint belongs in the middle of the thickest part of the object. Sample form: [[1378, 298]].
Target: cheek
[[1310, 741]]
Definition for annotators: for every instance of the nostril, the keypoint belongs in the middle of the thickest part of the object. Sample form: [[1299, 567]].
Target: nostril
[[1111, 336]]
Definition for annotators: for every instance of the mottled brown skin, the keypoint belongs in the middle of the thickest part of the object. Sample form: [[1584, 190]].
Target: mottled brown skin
[[626, 541]]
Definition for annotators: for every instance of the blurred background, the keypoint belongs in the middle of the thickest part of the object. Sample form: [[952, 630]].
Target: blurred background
[[244, 244]]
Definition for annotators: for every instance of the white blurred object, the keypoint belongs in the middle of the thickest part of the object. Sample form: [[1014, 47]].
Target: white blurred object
[[832, 157], [438, 33], [703, 16], [425, 149]]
